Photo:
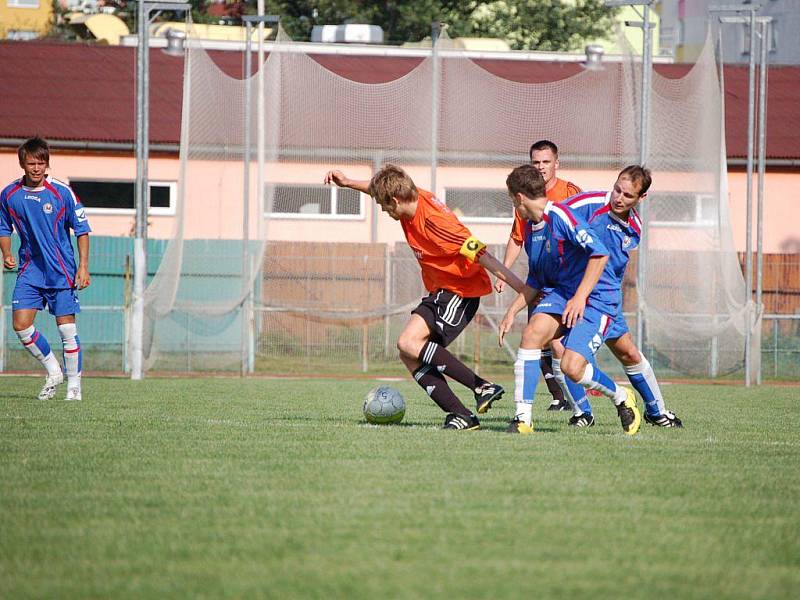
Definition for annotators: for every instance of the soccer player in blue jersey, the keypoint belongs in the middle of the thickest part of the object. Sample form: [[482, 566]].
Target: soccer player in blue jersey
[[43, 210], [567, 258], [613, 217]]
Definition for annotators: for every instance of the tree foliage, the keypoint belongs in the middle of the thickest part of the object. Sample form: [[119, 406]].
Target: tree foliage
[[524, 24]]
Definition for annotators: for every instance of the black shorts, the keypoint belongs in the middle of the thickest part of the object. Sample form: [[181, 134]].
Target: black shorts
[[447, 314]]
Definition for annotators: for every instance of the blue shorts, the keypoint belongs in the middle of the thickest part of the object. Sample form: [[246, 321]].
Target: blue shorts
[[588, 334], [59, 301], [618, 328]]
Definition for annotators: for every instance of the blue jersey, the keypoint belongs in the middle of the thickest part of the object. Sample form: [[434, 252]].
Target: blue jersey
[[541, 271], [558, 253], [43, 218], [619, 236]]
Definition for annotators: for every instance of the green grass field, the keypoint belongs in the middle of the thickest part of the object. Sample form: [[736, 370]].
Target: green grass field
[[229, 488]]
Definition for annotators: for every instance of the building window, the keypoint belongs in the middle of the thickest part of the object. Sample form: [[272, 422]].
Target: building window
[[313, 201], [117, 197], [479, 204], [21, 35], [681, 209], [22, 3]]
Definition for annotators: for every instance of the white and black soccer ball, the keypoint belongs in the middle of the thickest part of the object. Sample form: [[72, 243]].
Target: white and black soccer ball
[[384, 405]]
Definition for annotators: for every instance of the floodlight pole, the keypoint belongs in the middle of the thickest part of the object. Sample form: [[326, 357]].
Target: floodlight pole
[[751, 110], [142, 198], [644, 143], [436, 30], [247, 349], [765, 40]]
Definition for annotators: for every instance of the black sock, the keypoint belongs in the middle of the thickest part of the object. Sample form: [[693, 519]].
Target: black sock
[[546, 365], [436, 387], [434, 355]]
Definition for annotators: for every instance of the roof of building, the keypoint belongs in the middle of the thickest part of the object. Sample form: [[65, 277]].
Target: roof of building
[[86, 92]]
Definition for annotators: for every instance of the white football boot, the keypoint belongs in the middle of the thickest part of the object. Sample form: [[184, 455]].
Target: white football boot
[[51, 382], [73, 393]]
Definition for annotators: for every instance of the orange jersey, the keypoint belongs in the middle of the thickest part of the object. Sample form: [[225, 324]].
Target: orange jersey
[[436, 235], [558, 193]]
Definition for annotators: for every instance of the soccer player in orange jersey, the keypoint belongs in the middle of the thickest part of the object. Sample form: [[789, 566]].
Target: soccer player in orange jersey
[[544, 156], [453, 264]]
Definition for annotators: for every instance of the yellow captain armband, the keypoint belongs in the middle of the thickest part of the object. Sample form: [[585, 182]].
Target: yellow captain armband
[[472, 248]]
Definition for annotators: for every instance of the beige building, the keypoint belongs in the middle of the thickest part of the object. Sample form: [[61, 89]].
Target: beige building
[[24, 19]]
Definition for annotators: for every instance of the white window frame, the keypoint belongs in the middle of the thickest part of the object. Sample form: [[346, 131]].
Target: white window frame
[[697, 223], [152, 211], [485, 220], [23, 4], [332, 216]]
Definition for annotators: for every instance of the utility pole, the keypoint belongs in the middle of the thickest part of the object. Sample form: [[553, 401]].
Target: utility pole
[[142, 197]]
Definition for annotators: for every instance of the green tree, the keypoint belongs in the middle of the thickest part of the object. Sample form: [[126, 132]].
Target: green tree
[[542, 24], [525, 24]]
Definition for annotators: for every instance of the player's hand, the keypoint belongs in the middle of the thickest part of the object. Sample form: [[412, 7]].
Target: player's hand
[[9, 262], [336, 177], [82, 278], [573, 311], [499, 285], [505, 326]]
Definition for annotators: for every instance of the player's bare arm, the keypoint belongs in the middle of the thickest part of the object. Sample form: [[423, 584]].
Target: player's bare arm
[[576, 305], [508, 319], [512, 252], [341, 180], [82, 277], [9, 262]]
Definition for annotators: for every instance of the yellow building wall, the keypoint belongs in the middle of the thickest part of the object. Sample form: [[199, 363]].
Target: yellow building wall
[[25, 18]]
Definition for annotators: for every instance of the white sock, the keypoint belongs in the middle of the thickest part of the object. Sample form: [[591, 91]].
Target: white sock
[[562, 383], [37, 345], [644, 381], [72, 353], [616, 393]]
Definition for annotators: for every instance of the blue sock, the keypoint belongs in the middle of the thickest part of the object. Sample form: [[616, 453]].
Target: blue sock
[[526, 377]]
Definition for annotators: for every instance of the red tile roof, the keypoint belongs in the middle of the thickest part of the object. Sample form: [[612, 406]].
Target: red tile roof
[[85, 92]]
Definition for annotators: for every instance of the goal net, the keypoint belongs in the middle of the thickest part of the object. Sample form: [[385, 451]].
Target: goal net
[[269, 270]]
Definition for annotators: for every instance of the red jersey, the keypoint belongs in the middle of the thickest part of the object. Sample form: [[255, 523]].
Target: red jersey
[[436, 235], [558, 193]]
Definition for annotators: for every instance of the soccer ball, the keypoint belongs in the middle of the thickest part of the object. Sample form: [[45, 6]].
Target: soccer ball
[[384, 405]]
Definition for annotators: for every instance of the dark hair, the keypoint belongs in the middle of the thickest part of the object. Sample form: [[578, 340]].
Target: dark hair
[[392, 182], [638, 174], [35, 147], [543, 145], [526, 180]]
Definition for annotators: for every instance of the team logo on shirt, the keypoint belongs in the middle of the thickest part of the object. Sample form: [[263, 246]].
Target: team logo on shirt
[[547, 246], [583, 237], [47, 208], [626, 241]]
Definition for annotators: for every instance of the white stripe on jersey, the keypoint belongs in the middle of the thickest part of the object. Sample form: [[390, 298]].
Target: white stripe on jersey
[[69, 189], [595, 198], [562, 215], [634, 216]]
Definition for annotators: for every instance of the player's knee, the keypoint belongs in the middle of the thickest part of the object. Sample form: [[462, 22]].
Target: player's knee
[[409, 345], [573, 366], [631, 358], [21, 323], [628, 355]]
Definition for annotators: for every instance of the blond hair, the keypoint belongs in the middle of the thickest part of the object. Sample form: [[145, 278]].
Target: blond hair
[[392, 182]]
